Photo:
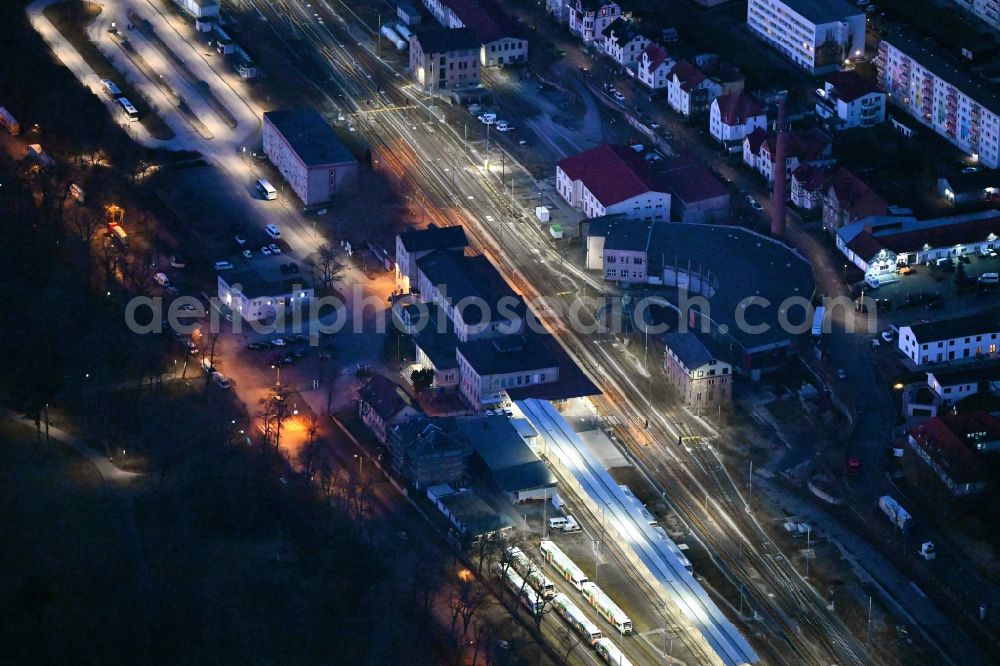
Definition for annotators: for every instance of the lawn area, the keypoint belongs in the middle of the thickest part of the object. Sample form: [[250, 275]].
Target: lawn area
[[71, 19]]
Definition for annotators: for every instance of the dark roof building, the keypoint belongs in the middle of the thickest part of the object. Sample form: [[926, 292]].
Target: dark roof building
[[434, 238], [697, 193], [426, 452], [849, 85], [735, 108], [310, 137], [955, 327], [952, 446], [436, 39], [514, 467]]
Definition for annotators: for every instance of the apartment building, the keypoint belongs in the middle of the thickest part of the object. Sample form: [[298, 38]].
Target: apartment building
[[692, 87], [704, 382], [623, 42], [501, 41], [442, 58], [808, 185], [414, 244], [967, 337], [849, 199], [817, 35], [809, 147], [733, 116], [987, 10], [589, 18], [943, 95], [846, 100], [610, 180]]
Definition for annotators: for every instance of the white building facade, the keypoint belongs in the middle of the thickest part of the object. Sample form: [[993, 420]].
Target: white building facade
[[589, 18], [731, 117], [817, 35], [949, 340]]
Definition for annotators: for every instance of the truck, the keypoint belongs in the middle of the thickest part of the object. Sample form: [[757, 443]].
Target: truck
[[9, 122], [394, 37], [818, 316], [896, 514]]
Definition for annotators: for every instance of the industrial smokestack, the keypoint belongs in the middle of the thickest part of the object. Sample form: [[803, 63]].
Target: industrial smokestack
[[778, 194]]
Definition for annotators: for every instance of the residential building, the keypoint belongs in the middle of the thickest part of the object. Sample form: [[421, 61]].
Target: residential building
[[703, 381], [424, 452], [952, 385], [713, 262], [442, 58], [254, 298], [623, 41], [612, 179], [846, 101], [382, 404], [413, 244], [691, 87], [848, 199], [986, 10], [307, 152], [943, 94], [653, 66], [953, 446], [957, 338], [965, 188], [589, 18], [810, 147], [501, 41], [817, 35], [734, 115], [880, 245], [808, 187], [489, 367], [696, 194]]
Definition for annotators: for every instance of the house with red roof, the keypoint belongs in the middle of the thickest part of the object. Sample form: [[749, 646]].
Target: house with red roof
[[691, 87], [848, 199], [653, 66], [810, 147], [879, 245], [808, 187], [847, 100], [610, 180], [954, 447], [734, 115]]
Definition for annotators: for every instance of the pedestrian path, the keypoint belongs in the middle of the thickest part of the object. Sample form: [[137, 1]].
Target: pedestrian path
[[109, 473]]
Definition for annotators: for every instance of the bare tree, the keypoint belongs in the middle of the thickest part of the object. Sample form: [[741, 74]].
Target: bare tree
[[327, 265], [567, 640]]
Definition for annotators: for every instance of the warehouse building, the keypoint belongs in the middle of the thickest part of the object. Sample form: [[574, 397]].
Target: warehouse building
[[307, 152]]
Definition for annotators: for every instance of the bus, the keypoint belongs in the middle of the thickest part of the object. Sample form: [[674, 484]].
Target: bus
[[528, 598], [524, 566], [576, 619], [611, 654], [561, 563], [607, 608], [817, 327], [126, 107], [110, 89], [117, 234]]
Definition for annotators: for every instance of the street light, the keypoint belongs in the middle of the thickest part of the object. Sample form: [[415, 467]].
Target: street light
[[277, 372]]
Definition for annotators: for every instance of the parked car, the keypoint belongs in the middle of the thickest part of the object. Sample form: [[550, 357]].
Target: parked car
[[278, 342], [841, 373], [247, 254], [274, 248], [220, 380], [887, 335], [265, 250], [240, 239]]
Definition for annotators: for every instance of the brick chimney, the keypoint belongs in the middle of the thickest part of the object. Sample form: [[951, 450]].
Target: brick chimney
[[779, 193]]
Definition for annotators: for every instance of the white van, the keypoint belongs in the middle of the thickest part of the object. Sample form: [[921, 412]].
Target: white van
[[557, 523], [571, 525], [223, 266], [266, 189], [273, 231], [989, 278]]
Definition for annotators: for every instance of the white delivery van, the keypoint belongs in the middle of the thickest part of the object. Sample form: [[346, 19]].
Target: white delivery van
[[557, 523], [273, 231], [989, 278], [266, 189]]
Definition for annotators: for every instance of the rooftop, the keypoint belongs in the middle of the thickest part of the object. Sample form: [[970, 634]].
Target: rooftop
[[955, 327], [386, 397], [486, 20], [951, 442], [474, 283], [620, 232], [310, 137], [948, 68], [434, 238], [822, 11], [623, 30], [809, 177], [425, 439], [736, 264], [735, 108], [657, 55], [908, 234], [973, 182], [973, 375], [507, 354], [612, 173], [690, 180], [691, 352], [855, 195], [688, 74], [849, 86], [475, 515], [435, 39], [511, 461]]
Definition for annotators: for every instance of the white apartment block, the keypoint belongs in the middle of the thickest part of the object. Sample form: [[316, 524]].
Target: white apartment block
[[987, 10], [623, 42], [817, 35], [733, 116], [654, 67], [940, 94], [612, 180], [954, 339]]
